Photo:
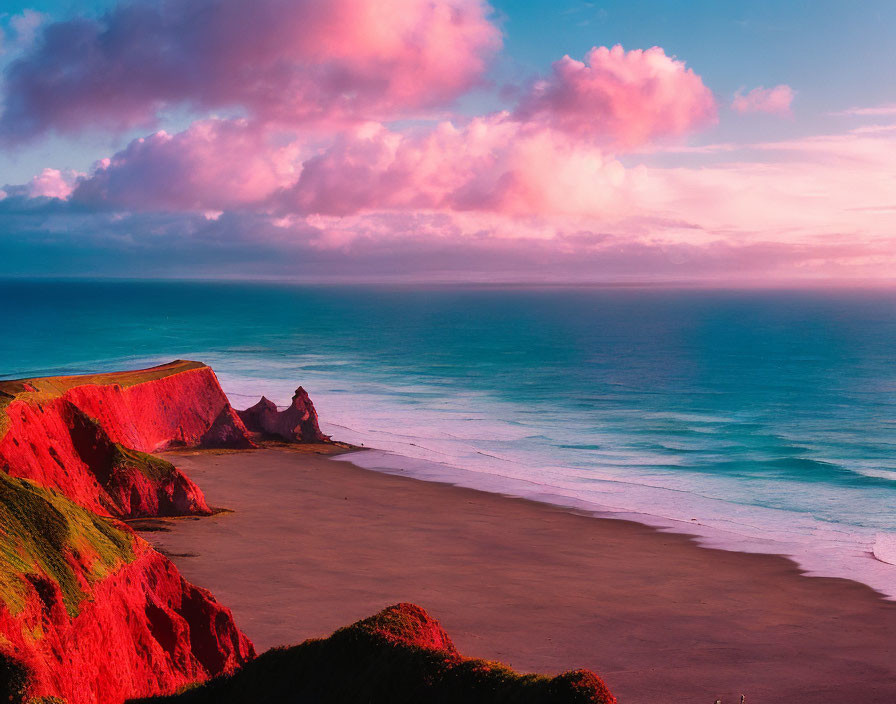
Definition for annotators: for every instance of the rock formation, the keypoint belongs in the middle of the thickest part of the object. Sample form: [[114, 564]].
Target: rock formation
[[399, 656], [298, 423]]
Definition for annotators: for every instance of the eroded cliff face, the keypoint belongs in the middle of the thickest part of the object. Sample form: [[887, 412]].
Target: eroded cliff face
[[87, 437], [90, 613], [399, 656]]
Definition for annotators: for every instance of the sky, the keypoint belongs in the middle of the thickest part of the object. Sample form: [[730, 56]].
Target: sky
[[637, 141]]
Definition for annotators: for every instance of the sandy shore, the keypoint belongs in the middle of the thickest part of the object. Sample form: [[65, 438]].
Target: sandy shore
[[314, 544]]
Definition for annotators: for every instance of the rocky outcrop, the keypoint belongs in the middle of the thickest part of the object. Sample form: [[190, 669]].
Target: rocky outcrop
[[298, 423], [399, 656], [88, 436], [89, 613]]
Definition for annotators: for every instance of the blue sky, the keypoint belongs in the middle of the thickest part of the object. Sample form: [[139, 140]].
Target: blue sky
[[824, 47]]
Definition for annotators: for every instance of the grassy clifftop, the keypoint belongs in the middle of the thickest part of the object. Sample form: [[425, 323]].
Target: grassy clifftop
[[44, 535], [42, 389], [399, 656]]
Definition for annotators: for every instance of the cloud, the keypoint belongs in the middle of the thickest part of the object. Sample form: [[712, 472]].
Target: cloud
[[213, 165], [318, 178], [490, 196], [289, 61], [551, 155], [775, 101], [876, 111], [55, 239], [491, 164], [498, 178], [624, 98], [52, 183]]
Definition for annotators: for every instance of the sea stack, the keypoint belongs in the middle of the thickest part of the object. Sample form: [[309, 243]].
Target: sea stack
[[298, 423]]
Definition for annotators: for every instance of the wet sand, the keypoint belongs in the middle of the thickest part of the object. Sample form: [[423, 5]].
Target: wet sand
[[314, 544]]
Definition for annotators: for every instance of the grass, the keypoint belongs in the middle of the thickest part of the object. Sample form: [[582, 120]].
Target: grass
[[38, 529], [151, 467], [376, 661], [50, 387]]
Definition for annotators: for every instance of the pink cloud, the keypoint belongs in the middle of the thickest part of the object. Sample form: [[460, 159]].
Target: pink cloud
[[626, 98], [541, 179], [418, 246], [775, 101], [493, 164], [876, 111], [292, 61], [52, 183], [497, 196], [505, 179], [213, 165]]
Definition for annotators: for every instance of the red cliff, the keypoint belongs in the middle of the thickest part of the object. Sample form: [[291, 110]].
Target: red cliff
[[88, 436], [298, 423], [89, 613]]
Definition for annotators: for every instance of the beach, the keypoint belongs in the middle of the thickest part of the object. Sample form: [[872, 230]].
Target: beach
[[310, 544]]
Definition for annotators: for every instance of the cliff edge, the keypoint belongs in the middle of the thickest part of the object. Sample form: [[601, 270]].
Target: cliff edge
[[89, 612], [88, 436]]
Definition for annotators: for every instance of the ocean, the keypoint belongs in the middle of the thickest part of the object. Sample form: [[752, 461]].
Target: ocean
[[760, 421]]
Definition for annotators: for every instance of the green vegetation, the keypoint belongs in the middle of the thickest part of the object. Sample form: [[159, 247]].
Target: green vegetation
[[376, 661], [38, 528], [6, 398], [13, 679], [151, 467]]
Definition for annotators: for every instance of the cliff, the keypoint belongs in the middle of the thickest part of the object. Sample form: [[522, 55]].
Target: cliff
[[87, 436], [90, 613], [399, 656], [298, 423]]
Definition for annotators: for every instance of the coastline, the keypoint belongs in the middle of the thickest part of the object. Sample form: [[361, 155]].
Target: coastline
[[828, 530], [818, 551], [536, 585]]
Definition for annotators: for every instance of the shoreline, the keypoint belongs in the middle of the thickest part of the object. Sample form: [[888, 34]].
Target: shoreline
[[812, 553], [819, 526], [538, 586]]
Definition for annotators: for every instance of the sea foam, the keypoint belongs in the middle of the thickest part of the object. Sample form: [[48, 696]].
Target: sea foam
[[884, 548]]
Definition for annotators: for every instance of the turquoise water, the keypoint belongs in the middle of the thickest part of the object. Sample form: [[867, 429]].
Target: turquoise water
[[763, 420]]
